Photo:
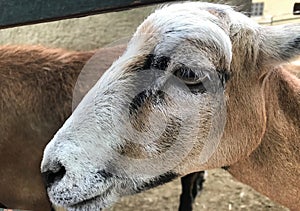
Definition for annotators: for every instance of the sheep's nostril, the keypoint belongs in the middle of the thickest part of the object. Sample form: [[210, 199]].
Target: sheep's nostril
[[49, 177]]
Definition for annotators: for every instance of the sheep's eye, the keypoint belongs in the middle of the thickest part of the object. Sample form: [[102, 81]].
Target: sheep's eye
[[194, 82]]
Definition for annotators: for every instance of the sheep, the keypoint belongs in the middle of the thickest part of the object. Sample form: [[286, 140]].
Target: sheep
[[199, 87], [36, 98]]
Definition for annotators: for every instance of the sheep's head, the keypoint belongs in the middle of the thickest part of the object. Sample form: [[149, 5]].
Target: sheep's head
[[158, 113]]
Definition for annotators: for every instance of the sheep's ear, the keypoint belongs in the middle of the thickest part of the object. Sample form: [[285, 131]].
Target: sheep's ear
[[280, 43]]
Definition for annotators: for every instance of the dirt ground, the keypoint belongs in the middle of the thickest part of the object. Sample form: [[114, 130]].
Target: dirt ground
[[221, 192]]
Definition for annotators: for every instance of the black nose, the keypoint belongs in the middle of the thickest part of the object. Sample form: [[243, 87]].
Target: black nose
[[49, 177]]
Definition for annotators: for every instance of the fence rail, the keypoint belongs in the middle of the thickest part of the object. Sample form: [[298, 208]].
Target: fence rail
[[279, 20], [24, 12]]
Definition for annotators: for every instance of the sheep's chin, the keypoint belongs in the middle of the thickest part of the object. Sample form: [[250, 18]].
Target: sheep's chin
[[94, 204]]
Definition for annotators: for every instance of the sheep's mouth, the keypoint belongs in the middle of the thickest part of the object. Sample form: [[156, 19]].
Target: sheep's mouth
[[157, 181], [98, 201], [86, 203]]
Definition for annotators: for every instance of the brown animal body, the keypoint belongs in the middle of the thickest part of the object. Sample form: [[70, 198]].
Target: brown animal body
[[36, 97], [280, 140]]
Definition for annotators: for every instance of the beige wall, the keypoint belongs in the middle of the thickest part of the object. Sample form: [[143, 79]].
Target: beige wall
[[79, 34], [277, 12]]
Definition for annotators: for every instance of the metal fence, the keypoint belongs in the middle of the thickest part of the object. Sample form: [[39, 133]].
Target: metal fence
[[24, 12]]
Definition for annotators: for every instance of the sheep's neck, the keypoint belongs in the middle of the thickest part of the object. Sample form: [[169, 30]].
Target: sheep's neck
[[274, 167]]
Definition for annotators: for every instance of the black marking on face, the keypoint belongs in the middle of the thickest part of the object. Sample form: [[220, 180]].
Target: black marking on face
[[157, 181], [104, 174], [137, 102], [148, 62], [224, 76], [157, 62], [161, 63], [225, 167], [135, 150], [295, 43], [170, 134], [227, 76], [147, 96]]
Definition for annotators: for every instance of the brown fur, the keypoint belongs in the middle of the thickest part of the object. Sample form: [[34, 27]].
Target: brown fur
[[293, 68], [278, 153], [271, 98], [263, 113], [36, 97]]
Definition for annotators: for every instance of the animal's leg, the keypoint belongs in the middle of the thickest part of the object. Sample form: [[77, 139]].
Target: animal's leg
[[198, 183], [190, 183]]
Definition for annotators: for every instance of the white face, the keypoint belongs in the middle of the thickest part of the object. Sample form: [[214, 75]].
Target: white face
[[156, 114]]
